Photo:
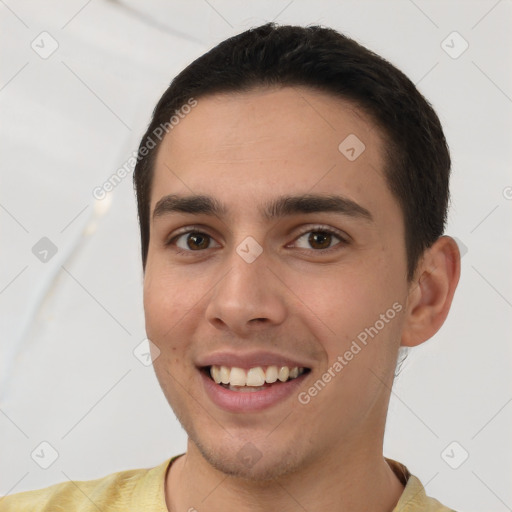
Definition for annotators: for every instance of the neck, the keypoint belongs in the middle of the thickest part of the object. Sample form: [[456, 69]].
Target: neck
[[348, 479]]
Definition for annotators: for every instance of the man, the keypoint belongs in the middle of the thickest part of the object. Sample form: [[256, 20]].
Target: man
[[292, 190]]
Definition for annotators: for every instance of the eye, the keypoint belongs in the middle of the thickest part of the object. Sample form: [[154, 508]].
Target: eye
[[192, 241], [320, 239]]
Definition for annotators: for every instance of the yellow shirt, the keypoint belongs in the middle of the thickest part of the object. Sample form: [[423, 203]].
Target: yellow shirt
[[138, 490]]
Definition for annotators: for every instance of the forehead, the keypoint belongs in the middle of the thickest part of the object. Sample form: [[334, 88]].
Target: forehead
[[241, 147]]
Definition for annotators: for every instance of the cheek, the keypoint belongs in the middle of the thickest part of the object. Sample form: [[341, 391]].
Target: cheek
[[338, 301], [162, 314], [166, 303], [345, 303]]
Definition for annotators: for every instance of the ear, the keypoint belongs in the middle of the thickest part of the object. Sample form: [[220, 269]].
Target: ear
[[431, 291]]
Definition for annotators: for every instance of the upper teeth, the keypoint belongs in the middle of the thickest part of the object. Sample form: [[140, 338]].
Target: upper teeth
[[256, 376]]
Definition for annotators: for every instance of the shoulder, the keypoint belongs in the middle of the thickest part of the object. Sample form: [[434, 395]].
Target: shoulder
[[414, 497], [121, 491]]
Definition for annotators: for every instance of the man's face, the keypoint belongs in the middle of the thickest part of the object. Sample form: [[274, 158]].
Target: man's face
[[261, 287]]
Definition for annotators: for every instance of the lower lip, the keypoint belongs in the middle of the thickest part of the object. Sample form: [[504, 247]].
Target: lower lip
[[239, 401]]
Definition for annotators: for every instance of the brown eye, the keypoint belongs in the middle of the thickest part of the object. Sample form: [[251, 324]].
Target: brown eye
[[320, 239], [198, 241], [192, 241]]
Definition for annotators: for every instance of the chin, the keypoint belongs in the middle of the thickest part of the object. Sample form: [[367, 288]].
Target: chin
[[248, 462]]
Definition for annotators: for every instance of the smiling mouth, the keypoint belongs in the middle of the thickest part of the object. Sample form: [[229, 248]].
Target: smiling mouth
[[253, 379]]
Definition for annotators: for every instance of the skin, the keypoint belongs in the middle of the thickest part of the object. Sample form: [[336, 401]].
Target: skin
[[295, 299]]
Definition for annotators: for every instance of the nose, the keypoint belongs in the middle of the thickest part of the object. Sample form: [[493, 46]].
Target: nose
[[248, 297]]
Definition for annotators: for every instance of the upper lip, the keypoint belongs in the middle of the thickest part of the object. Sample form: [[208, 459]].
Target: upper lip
[[249, 360]]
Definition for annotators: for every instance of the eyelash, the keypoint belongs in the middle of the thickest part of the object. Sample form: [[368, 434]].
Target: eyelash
[[315, 229]]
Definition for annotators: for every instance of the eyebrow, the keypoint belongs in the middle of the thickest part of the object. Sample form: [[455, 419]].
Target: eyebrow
[[276, 208]]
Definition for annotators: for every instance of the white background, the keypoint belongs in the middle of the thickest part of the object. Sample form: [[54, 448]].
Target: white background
[[68, 375]]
